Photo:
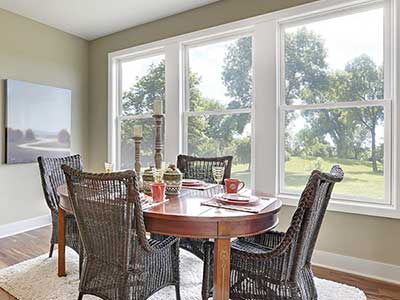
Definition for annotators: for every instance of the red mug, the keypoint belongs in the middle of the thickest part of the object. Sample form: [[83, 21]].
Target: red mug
[[233, 186], [158, 191]]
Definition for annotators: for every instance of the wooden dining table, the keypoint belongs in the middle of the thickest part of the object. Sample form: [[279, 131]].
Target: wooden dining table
[[185, 216]]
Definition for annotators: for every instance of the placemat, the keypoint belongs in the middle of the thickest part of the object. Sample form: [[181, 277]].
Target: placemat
[[255, 208]]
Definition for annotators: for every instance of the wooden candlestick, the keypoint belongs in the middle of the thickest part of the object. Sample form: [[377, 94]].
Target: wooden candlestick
[[158, 157], [138, 165]]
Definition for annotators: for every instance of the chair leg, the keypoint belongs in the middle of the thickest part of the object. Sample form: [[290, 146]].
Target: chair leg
[[80, 264], [207, 271], [177, 291], [80, 296], [51, 250], [175, 266], [80, 258]]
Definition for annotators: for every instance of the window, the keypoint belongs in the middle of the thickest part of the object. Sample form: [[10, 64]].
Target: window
[[284, 93], [218, 102], [142, 81], [335, 103]]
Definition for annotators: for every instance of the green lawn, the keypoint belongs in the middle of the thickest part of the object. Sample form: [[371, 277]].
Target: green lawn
[[241, 172], [359, 179]]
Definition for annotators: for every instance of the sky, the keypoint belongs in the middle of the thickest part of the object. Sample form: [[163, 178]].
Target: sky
[[38, 107]]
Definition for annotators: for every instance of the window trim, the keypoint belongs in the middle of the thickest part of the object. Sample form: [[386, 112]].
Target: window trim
[[265, 110]]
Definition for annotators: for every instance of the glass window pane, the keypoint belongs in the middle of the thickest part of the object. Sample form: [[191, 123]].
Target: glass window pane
[[147, 145], [143, 80], [220, 75], [352, 138], [336, 59], [211, 136]]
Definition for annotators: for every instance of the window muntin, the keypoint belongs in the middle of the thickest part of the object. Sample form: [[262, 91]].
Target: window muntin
[[333, 106], [219, 82]]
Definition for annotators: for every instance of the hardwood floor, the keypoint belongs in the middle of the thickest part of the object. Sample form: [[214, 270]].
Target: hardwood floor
[[31, 244]]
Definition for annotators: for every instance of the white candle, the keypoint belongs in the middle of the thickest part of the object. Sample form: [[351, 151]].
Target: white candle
[[158, 107], [137, 131]]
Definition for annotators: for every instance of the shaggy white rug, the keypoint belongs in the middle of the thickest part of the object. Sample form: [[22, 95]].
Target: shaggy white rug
[[37, 279]]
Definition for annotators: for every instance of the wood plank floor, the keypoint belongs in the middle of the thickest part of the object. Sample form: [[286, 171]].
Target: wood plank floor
[[31, 244]]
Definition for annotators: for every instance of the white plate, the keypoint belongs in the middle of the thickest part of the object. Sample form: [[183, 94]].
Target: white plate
[[237, 198], [192, 182]]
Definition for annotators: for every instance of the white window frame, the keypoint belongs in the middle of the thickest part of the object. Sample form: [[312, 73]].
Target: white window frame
[[385, 103], [266, 88]]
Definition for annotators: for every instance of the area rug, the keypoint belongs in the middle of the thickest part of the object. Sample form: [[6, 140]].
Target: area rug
[[37, 279]]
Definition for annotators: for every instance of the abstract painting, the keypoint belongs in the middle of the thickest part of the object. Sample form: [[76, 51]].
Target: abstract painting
[[38, 122]]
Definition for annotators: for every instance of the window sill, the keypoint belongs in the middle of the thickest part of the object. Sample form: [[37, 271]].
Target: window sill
[[359, 208]]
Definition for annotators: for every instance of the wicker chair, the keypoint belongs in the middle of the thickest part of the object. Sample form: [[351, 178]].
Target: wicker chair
[[200, 168], [52, 177], [275, 265], [120, 262]]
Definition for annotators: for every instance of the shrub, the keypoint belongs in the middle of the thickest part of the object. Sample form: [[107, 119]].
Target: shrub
[[29, 135], [64, 137]]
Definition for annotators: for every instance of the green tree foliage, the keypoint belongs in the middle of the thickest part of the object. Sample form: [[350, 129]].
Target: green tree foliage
[[344, 133], [305, 66], [243, 151], [140, 97], [64, 137]]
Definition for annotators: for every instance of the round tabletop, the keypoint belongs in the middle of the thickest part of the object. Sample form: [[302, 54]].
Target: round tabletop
[[185, 216]]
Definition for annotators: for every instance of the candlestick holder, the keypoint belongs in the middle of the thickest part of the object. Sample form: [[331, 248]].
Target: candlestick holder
[[138, 165], [158, 157]]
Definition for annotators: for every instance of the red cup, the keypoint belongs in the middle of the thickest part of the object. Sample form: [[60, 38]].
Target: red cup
[[158, 191], [232, 186]]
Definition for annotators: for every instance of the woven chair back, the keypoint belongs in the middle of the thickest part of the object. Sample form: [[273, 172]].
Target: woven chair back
[[201, 167], [105, 210], [309, 216], [52, 176]]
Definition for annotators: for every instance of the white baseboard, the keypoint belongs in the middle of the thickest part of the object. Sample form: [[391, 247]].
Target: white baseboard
[[358, 266], [23, 226]]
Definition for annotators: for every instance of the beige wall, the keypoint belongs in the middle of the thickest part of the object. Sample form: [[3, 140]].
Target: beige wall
[[346, 234], [34, 52]]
